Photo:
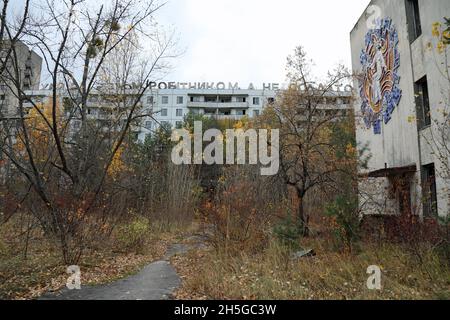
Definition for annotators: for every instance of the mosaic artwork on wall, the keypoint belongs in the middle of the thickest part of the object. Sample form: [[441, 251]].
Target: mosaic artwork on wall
[[379, 84]]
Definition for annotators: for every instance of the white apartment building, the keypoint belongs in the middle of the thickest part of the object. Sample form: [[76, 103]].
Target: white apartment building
[[170, 106], [29, 64], [403, 93]]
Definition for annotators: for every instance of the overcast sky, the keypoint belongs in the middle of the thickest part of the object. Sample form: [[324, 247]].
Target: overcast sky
[[249, 40]]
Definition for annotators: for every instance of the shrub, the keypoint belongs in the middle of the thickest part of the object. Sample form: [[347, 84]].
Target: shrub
[[344, 211], [240, 214], [288, 231], [132, 236]]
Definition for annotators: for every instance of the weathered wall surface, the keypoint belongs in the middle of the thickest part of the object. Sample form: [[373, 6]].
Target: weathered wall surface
[[398, 144]]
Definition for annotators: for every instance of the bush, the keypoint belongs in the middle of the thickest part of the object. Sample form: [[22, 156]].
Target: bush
[[240, 214], [346, 229], [132, 235], [288, 231]]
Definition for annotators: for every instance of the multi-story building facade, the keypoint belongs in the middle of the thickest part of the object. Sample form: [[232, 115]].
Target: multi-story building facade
[[399, 53], [29, 64], [170, 106], [166, 107]]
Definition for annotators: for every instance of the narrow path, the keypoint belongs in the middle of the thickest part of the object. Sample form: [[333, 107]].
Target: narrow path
[[156, 281]]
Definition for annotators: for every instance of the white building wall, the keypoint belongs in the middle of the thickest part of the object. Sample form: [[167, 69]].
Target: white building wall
[[172, 104], [398, 144]]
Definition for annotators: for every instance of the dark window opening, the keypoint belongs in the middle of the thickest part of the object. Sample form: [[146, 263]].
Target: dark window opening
[[404, 194], [422, 103], [413, 19], [210, 98], [429, 191]]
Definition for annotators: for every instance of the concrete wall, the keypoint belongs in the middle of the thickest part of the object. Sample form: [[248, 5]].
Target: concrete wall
[[25, 56], [398, 145], [427, 61]]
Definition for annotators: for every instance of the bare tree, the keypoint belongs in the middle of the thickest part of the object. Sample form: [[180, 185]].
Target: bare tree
[[92, 54]]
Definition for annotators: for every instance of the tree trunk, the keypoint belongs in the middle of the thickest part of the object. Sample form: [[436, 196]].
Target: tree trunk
[[302, 216]]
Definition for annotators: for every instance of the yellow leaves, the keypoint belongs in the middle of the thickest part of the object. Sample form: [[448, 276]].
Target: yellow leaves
[[446, 34], [117, 165], [441, 47], [350, 150], [39, 125], [442, 37], [436, 29], [238, 125]]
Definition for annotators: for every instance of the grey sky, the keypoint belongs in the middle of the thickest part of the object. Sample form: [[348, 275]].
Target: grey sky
[[249, 40]]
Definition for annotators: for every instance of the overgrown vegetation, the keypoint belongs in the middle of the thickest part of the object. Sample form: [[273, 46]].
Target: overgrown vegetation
[[99, 198], [273, 274]]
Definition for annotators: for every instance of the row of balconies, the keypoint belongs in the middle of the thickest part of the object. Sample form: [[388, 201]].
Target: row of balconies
[[221, 105]]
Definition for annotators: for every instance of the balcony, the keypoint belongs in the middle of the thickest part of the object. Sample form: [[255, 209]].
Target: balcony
[[223, 116], [218, 105]]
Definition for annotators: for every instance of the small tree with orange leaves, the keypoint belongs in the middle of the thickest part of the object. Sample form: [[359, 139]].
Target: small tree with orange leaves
[[306, 151]]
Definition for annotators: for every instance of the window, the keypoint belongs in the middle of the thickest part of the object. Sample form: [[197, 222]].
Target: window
[[2, 97], [270, 100], [422, 103], [179, 124], [256, 101], [163, 112], [150, 100], [346, 100], [255, 113], [225, 99], [241, 99], [180, 100], [165, 100], [196, 99], [211, 99], [413, 19], [148, 125], [179, 112], [430, 208]]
